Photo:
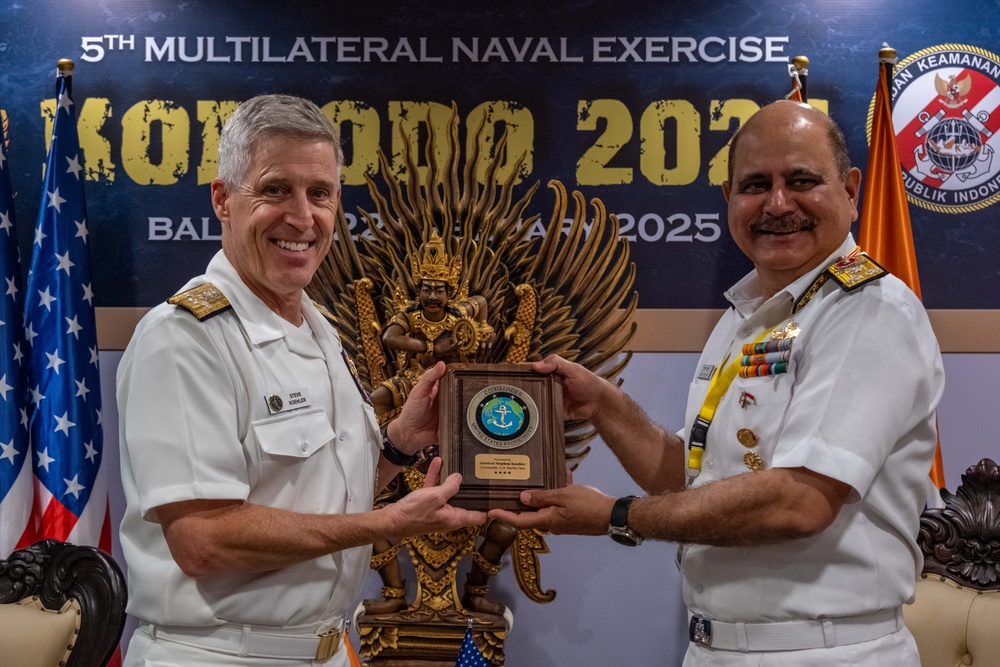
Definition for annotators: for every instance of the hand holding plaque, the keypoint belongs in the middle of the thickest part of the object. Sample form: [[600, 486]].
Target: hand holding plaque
[[501, 426]]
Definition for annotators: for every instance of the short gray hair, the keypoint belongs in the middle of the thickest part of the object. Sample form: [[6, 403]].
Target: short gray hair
[[266, 117]]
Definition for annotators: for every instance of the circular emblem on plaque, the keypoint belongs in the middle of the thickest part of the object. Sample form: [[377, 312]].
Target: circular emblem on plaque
[[502, 417], [945, 114]]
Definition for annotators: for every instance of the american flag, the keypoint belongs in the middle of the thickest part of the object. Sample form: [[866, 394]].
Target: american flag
[[15, 454], [470, 656], [71, 495]]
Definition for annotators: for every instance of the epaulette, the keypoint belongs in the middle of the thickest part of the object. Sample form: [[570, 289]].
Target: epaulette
[[325, 312], [202, 301], [854, 271], [850, 273]]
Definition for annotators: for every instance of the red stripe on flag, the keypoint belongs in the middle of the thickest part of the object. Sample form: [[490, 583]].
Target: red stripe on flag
[[116, 659], [56, 524], [105, 542]]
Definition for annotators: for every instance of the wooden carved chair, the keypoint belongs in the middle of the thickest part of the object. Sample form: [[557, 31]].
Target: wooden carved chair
[[61, 605], [956, 615]]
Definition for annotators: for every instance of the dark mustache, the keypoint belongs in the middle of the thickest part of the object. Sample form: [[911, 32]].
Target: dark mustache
[[787, 223]]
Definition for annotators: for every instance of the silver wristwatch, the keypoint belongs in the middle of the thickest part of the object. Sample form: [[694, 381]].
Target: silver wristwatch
[[619, 529]]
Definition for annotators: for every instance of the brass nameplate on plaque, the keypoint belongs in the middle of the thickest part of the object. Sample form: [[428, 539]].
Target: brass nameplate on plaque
[[501, 426], [503, 466]]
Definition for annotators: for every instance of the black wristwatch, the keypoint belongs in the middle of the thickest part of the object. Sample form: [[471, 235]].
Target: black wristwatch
[[619, 529], [394, 456], [398, 458]]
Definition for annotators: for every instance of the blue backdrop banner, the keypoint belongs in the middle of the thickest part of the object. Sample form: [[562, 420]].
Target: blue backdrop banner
[[631, 102]]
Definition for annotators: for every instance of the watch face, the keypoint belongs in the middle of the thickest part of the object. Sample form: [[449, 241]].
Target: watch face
[[624, 536], [619, 529]]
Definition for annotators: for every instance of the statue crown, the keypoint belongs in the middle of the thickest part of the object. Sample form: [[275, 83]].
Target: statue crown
[[435, 264]]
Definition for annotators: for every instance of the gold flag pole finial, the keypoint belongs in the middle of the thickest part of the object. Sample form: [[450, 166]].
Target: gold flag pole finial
[[887, 56], [64, 75], [800, 71]]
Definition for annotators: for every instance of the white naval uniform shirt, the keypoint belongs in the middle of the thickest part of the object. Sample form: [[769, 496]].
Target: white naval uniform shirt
[[195, 424], [857, 405]]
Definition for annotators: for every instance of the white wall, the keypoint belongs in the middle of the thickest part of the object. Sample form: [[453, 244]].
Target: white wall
[[617, 605]]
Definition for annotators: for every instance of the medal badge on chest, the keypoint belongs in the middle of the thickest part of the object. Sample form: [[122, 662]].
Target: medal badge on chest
[[787, 332], [749, 439], [770, 357]]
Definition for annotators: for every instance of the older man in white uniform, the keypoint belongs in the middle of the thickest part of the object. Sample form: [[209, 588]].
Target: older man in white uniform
[[796, 487], [250, 452]]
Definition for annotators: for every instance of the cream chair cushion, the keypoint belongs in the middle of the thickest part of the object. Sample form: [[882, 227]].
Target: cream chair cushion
[[33, 636], [954, 626]]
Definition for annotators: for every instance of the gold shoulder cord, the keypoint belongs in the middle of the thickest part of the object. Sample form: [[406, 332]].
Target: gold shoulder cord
[[850, 272]]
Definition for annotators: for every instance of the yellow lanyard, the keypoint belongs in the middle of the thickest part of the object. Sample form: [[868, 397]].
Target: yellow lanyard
[[718, 387]]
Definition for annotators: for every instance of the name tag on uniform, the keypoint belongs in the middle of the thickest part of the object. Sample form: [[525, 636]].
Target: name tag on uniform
[[706, 372], [285, 402]]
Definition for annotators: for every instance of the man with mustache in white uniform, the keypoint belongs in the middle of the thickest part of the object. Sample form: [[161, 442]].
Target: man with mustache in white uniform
[[795, 488]]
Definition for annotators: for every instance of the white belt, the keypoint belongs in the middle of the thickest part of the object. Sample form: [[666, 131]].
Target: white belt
[[794, 635], [249, 641]]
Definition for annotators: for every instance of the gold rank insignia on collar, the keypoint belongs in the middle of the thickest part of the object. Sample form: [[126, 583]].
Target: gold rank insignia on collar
[[202, 301], [325, 312]]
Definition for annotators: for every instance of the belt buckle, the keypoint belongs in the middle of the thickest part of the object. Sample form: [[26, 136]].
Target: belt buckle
[[700, 630], [329, 642]]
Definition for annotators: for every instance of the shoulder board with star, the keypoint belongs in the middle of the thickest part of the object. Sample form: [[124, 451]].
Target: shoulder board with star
[[855, 271], [202, 301]]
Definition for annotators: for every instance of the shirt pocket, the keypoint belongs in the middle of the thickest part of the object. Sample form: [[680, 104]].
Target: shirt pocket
[[297, 434], [769, 390], [753, 415]]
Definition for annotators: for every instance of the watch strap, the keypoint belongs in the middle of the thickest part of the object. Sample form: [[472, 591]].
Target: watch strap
[[619, 512], [619, 530], [393, 455]]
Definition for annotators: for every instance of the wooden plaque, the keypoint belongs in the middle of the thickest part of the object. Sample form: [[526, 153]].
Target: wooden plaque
[[501, 426]]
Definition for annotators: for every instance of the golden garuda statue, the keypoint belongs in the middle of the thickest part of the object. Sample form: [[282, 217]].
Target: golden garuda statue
[[449, 268]]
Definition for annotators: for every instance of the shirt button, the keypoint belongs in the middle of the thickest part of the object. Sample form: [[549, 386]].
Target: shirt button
[[342, 435], [699, 588], [745, 331], [304, 445], [709, 463]]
